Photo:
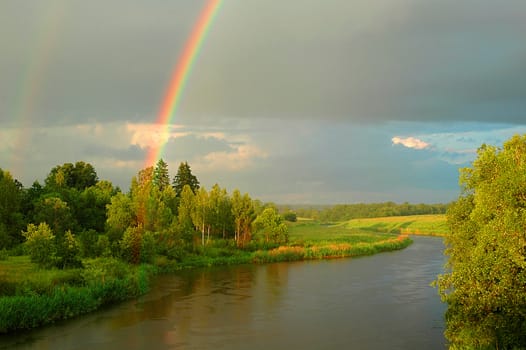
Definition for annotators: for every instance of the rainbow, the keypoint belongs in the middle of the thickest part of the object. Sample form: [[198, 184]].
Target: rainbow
[[180, 76]]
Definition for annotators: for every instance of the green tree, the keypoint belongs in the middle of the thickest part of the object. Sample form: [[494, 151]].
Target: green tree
[[56, 213], [244, 214], [120, 215], [270, 223], [485, 285], [161, 177], [290, 216], [201, 215], [69, 251], [186, 208], [40, 243], [184, 177], [79, 176], [11, 217], [90, 212]]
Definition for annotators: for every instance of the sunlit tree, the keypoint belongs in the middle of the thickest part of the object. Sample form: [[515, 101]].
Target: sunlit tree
[[486, 283]]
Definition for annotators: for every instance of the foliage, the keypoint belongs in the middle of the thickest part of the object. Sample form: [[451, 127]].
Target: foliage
[[161, 177], [270, 223], [184, 177], [345, 212], [40, 243], [69, 251], [79, 176], [485, 285], [137, 245], [106, 281], [56, 213], [186, 208], [290, 216], [88, 242], [11, 219], [119, 214], [243, 212]]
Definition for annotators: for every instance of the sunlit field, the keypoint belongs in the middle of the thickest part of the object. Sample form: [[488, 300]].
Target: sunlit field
[[429, 225]]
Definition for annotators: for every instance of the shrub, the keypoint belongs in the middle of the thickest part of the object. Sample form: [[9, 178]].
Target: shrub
[[88, 243], [69, 252], [103, 247], [4, 254], [40, 243], [290, 216], [101, 270]]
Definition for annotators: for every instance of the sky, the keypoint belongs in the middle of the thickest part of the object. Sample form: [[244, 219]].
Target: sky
[[294, 102]]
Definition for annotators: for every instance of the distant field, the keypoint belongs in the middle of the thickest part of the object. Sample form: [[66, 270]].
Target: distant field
[[316, 233], [433, 225]]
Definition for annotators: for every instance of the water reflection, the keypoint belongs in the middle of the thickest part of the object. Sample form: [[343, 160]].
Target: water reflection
[[378, 302]]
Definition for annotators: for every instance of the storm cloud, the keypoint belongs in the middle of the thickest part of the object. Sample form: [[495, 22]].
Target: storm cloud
[[292, 101]]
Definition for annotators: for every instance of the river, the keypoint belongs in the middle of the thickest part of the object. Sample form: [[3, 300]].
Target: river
[[382, 301]]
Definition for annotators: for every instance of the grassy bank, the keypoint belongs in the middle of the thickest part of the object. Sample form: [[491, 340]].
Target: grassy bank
[[31, 297], [429, 225]]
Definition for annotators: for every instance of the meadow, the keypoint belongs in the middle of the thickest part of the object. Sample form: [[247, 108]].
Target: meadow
[[429, 225]]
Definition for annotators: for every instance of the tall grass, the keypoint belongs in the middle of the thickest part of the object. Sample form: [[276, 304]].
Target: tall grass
[[36, 302], [329, 251]]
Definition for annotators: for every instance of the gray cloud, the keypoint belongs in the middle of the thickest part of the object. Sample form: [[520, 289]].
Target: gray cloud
[[65, 61], [353, 60]]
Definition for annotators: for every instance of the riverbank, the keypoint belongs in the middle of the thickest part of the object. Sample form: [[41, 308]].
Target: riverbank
[[31, 297]]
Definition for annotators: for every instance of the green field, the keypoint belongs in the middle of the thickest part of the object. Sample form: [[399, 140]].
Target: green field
[[430, 225], [311, 232]]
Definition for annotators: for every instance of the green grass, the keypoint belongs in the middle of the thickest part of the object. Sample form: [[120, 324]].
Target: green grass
[[315, 233], [431, 225]]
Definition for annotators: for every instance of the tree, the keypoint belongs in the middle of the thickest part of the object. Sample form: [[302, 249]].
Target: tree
[[161, 177], [485, 284], [186, 208], [40, 243], [201, 215], [79, 176], [56, 213], [91, 206], [11, 218], [69, 250], [120, 215], [270, 222], [184, 177], [244, 214], [290, 216]]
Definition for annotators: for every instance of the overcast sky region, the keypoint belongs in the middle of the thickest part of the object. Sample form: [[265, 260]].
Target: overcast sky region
[[297, 101]]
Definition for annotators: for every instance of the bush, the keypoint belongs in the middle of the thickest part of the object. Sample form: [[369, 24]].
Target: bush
[[101, 270], [103, 247], [88, 243], [69, 252], [290, 216], [4, 254], [40, 243]]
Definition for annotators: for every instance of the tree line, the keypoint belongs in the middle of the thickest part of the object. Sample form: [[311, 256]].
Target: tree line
[[345, 212], [75, 215]]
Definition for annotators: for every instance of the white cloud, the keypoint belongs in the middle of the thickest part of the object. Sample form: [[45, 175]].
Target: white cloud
[[148, 135], [241, 157], [410, 142], [459, 147]]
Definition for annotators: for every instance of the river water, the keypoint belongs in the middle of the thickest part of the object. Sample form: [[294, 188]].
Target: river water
[[382, 301]]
